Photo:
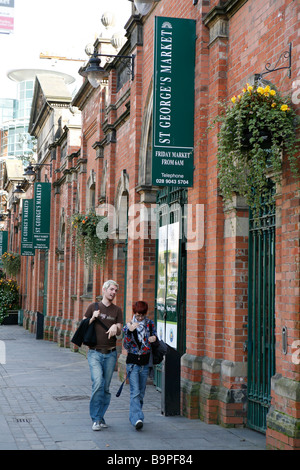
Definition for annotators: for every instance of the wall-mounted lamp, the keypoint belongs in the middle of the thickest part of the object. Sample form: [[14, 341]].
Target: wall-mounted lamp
[[97, 74], [18, 190], [144, 6], [31, 173]]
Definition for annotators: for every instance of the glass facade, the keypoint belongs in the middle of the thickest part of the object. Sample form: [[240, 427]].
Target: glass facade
[[8, 109], [25, 94], [15, 140]]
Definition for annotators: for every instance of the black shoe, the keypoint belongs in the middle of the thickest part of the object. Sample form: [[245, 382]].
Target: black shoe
[[139, 424]]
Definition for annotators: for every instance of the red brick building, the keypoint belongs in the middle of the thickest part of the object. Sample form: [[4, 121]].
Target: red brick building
[[239, 365]]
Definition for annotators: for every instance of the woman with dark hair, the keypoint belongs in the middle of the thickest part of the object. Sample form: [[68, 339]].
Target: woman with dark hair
[[139, 333]]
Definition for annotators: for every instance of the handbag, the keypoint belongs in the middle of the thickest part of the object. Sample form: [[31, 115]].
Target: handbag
[[158, 348]]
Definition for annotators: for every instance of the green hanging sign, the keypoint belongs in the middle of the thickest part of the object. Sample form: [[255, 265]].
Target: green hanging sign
[[3, 243], [27, 228], [173, 102], [41, 216]]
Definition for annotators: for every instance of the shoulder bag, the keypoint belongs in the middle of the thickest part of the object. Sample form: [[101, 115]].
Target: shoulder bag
[[158, 348]]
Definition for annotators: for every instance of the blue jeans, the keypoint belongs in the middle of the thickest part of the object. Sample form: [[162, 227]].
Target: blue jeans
[[137, 381], [102, 367]]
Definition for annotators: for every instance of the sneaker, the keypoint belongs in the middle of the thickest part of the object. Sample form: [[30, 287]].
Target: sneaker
[[96, 426], [103, 423], [139, 424]]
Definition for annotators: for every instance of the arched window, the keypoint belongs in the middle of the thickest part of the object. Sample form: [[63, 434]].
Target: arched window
[[122, 206], [61, 232], [91, 191]]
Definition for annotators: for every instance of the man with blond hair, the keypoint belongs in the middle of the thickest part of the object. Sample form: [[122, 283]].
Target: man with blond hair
[[102, 358]]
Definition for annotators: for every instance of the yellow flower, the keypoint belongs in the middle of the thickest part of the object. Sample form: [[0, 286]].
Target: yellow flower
[[267, 89], [284, 107], [273, 92], [260, 90], [233, 99]]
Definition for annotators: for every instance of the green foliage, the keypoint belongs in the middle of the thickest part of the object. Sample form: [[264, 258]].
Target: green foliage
[[9, 297], [11, 263], [90, 247], [256, 129]]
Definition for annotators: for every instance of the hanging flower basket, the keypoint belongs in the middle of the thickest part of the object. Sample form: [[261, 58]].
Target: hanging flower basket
[[11, 263], [89, 246], [256, 129], [265, 140], [9, 297]]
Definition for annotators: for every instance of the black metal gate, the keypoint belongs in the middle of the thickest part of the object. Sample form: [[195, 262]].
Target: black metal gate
[[261, 316]]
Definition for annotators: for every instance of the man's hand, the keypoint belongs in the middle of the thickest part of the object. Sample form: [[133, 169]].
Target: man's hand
[[95, 315], [114, 330]]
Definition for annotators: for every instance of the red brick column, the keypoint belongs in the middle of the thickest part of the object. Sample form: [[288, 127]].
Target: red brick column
[[192, 361], [233, 383], [52, 290], [214, 370], [283, 420], [214, 242]]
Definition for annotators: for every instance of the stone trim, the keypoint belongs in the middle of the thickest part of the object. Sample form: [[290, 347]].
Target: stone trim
[[283, 429], [285, 387], [209, 399], [225, 11], [217, 19]]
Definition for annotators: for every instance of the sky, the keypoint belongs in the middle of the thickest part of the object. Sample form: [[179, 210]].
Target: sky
[[54, 27]]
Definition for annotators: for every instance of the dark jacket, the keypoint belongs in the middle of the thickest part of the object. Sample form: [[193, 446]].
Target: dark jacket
[[85, 334]]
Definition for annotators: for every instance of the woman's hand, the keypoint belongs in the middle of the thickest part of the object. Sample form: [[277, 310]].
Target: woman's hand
[[132, 326], [152, 339]]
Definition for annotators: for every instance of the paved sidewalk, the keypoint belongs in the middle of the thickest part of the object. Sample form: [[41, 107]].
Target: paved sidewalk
[[44, 404]]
